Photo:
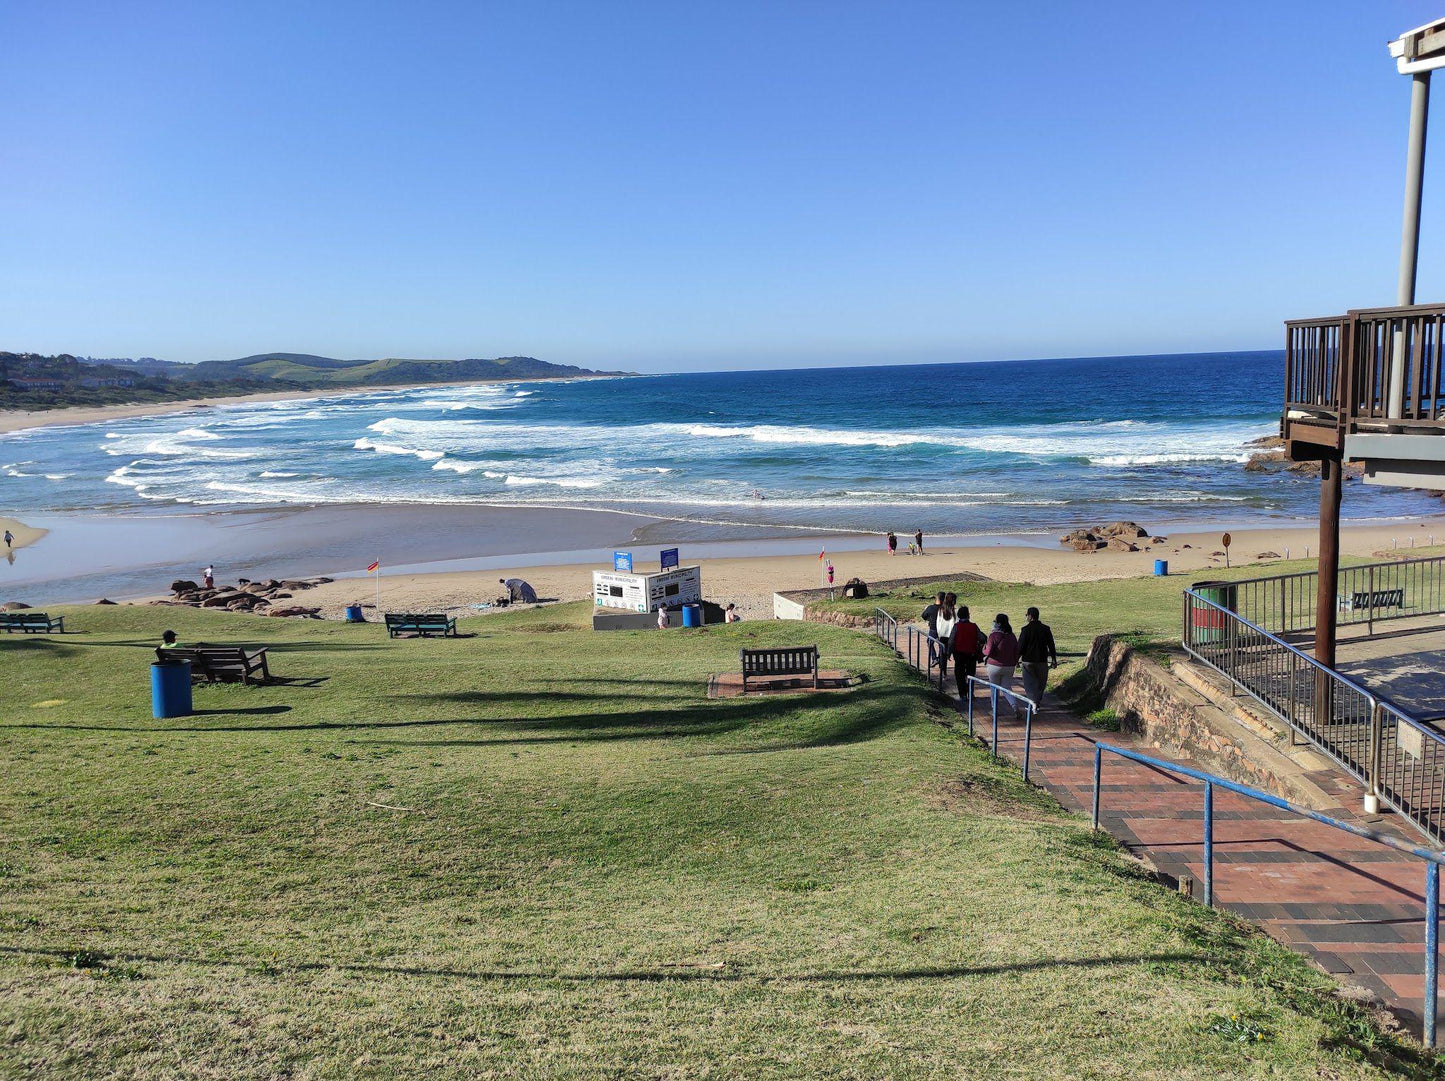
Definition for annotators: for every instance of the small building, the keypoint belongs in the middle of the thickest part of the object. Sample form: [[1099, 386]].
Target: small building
[[645, 593]]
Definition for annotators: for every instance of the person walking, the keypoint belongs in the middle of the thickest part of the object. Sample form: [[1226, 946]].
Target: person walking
[[892, 543], [930, 614], [942, 643], [9, 539], [1036, 655], [918, 540], [1001, 655], [967, 642], [208, 577]]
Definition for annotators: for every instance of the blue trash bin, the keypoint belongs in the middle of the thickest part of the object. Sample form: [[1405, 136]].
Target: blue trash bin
[[1161, 568], [170, 689], [692, 615], [353, 614]]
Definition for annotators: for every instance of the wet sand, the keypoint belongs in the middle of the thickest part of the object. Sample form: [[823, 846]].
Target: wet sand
[[23, 535]]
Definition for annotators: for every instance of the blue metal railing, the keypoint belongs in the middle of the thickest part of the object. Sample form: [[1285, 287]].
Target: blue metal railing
[[1030, 707], [1432, 858], [1399, 758], [919, 649]]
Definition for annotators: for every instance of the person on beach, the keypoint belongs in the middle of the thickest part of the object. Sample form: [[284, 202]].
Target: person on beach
[[208, 577], [892, 543], [9, 539], [731, 614], [967, 643], [518, 591], [918, 540], [663, 622], [1001, 655], [1036, 655]]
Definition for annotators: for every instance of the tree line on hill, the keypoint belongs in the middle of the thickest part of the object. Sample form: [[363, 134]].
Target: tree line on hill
[[33, 381]]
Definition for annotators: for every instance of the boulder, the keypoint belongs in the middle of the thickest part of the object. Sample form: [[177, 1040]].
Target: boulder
[[254, 587], [855, 588], [105, 600], [1074, 536], [1158, 540], [13, 606], [1119, 544], [1121, 529], [1267, 555], [296, 584], [294, 610], [220, 600], [1087, 543], [183, 585]]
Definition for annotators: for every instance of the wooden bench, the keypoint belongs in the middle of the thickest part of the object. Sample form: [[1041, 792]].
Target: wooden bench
[[424, 624], [31, 622], [1380, 598], [217, 664], [789, 661]]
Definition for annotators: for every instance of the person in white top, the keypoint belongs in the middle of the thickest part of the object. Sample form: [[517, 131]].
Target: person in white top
[[662, 621], [209, 576], [946, 620], [732, 615]]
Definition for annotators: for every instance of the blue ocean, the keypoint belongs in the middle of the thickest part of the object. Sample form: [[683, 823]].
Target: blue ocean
[[948, 448]]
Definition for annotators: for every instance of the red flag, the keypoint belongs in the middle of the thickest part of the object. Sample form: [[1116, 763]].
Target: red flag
[[374, 566]]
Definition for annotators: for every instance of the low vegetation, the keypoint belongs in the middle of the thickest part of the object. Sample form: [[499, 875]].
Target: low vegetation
[[542, 851]]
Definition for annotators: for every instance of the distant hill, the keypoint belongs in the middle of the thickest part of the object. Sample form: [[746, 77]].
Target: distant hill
[[33, 381], [313, 371]]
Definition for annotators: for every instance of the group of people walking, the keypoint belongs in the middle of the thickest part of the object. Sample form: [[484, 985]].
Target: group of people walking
[[955, 638]]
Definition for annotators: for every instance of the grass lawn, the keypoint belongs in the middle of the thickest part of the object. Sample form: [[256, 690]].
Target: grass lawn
[[541, 851]]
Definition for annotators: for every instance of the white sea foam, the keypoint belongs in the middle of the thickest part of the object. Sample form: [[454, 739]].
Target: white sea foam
[[561, 482], [391, 448]]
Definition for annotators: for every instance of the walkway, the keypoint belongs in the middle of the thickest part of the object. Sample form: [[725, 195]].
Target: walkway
[[1355, 907]]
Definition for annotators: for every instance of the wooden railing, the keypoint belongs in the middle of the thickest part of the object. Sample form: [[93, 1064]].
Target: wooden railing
[[1369, 368]]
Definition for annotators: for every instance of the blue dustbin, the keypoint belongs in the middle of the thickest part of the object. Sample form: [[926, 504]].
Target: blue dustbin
[[353, 614], [1161, 568], [692, 615], [171, 689]]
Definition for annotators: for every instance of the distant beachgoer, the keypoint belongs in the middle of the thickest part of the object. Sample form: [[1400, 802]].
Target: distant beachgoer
[[892, 543], [912, 548], [1001, 655], [968, 642], [208, 577], [918, 540], [1037, 655], [662, 620], [9, 539], [731, 614], [518, 591]]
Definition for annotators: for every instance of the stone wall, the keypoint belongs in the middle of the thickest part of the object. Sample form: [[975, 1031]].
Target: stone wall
[[1155, 706]]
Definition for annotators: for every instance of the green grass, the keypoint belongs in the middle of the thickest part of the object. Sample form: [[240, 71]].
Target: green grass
[[542, 851]]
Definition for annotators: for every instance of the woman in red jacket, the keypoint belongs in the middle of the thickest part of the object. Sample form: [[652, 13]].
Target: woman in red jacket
[[967, 642]]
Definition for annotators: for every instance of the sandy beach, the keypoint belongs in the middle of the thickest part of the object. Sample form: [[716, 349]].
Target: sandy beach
[[22, 535], [750, 581]]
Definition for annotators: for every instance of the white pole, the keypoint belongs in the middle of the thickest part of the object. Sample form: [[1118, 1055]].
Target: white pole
[[378, 587], [1410, 232]]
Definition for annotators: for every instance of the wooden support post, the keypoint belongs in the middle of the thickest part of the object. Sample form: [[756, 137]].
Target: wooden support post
[[1327, 594]]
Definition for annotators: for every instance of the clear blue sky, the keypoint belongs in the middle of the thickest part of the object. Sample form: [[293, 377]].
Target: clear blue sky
[[672, 186]]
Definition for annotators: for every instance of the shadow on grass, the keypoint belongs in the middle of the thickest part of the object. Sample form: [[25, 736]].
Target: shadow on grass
[[661, 974]]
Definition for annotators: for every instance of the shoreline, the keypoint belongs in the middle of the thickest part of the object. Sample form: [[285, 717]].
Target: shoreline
[[67, 416], [450, 558]]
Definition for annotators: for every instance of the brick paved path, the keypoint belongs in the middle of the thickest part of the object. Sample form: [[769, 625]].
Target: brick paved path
[[1355, 907]]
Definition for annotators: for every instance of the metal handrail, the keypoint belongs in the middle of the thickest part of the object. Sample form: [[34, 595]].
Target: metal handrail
[[1285, 603], [1433, 858], [1406, 782], [995, 689], [919, 649]]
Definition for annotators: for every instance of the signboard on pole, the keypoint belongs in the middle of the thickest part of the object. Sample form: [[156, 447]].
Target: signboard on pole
[[669, 558], [1226, 539], [622, 561]]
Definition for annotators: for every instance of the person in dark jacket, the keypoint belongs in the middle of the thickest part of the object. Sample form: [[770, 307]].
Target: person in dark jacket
[[930, 616], [1036, 655], [967, 643]]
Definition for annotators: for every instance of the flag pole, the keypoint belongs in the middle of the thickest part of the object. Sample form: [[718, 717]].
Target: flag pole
[[378, 587]]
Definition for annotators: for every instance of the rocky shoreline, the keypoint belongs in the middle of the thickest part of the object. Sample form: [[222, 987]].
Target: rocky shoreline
[[257, 598]]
